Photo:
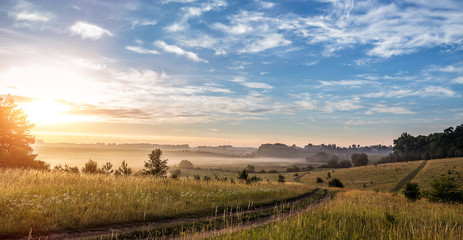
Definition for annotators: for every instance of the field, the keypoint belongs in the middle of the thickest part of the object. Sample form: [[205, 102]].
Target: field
[[365, 215], [53, 202], [50, 201]]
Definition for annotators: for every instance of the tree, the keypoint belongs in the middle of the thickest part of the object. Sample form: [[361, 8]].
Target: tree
[[319, 180], [90, 167], [335, 183], [106, 168], [185, 164], [445, 189], [176, 174], [243, 175], [359, 159], [123, 170], [345, 164], [15, 139], [412, 191], [251, 168], [156, 166]]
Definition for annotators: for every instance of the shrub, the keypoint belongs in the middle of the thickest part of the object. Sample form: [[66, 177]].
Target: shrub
[[445, 189], [107, 168], [319, 180], [335, 183], [412, 191], [281, 178]]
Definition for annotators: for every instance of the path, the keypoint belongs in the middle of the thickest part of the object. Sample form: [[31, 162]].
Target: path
[[409, 177], [260, 215]]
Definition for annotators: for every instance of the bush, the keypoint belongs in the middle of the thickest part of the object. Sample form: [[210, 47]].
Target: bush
[[335, 183], [281, 179], [319, 180], [250, 169], [446, 190], [412, 191]]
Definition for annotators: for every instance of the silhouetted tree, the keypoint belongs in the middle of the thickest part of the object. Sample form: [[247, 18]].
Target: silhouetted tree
[[123, 170], [412, 191], [15, 139], [359, 159], [156, 166], [107, 168]]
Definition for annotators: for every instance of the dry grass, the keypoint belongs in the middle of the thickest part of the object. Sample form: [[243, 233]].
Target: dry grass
[[452, 167], [50, 201], [366, 215]]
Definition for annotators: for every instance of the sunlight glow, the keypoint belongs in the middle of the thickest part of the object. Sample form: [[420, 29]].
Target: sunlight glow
[[46, 111]]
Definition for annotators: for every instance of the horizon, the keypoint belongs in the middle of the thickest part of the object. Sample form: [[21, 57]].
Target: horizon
[[240, 73]]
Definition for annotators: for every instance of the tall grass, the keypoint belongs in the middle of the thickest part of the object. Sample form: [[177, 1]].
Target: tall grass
[[51, 201], [366, 215]]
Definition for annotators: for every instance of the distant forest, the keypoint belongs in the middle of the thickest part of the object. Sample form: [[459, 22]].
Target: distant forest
[[447, 144]]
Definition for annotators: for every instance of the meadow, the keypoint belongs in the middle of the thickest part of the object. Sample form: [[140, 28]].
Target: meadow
[[41, 202], [358, 214]]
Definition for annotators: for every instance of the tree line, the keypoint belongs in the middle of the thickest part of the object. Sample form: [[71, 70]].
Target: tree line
[[446, 144]]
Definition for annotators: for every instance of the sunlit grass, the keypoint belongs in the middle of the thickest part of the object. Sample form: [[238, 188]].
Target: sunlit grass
[[51, 201], [366, 215]]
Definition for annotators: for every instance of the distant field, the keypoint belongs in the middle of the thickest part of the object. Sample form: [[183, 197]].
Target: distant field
[[365, 215], [53, 201], [382, 177]]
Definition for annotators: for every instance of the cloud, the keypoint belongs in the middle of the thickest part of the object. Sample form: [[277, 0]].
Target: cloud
[[389, 109], [33, 16], [312, 63], [344, 105], [141, 50], [458, 80], [259, 85], [89, 31], [264, 4], [178, 51], [270, 41], [424, 92], [352, 83]]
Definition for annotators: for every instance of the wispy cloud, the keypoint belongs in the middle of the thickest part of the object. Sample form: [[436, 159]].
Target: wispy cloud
[[33, 16], [352, 83], [381, 108], [89, 31], [458, 80], [141, 50], [178, 51], [344, 105], [245, 83], [424, 92]]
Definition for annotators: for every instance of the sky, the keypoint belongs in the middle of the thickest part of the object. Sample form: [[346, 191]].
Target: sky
[[243, 73]]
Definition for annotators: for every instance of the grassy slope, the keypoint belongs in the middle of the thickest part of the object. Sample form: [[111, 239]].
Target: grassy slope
[[57, 201], [381, 177], [440, 167], [384, 177], [366, 215]]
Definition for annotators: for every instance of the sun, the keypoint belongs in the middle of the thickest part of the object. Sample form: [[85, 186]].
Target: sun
[[46, 111]]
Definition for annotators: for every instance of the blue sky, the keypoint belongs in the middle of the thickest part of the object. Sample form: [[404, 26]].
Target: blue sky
[[234, 72]]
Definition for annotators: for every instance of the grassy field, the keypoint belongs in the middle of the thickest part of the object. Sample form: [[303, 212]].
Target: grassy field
[[51, 201], [190, 173], [366, 215], [382, 177], [452, 167]]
